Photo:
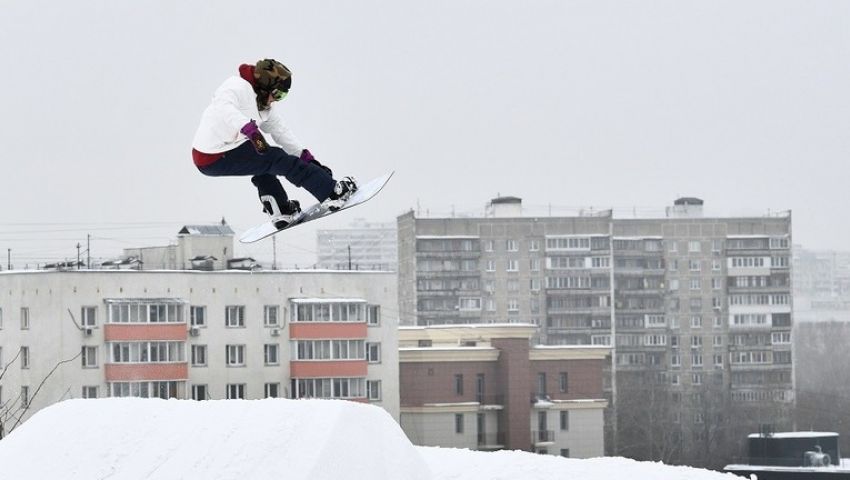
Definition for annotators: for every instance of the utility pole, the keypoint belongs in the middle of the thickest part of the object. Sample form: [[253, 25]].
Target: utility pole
[[349, 256], [88, 252], [9, 259], [78, 255]]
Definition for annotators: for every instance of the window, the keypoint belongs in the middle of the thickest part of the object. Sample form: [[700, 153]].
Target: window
[[271, 390], [696, 283], [491, 265], [716, 283], [373, 314], [565, 420], [534, 284], [533, 245], [489, 245], [490, 305], [673, 266], [235, 391], [198, 316], [717, 246], [780, 338], [694, 265], [271, 316], [373, 390], [89, 357], [458, 423], [696, 341], [675, 360], [513, 265], [458, 384], [513, 305], [674, 284], [696, 378], [199, 355], [599, 262], [511, 245], [565, 452], [25, 318], [696, 360], [25, 357], [541, 383], [512, 285], [25, 396], [234, 316], [138, 312], [469, 303], [270, 354], [718, 322], [235, 356], [672, 246], [694, 246], [563, 382], [696, 321], [88, 317], [718, 360], [718, 340], [373, 352], [147, 352], [200, 392], [89, 391]]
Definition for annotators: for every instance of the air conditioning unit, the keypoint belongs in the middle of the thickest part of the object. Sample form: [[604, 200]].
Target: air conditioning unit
[[87, 332], [275, 332], [194, 331]]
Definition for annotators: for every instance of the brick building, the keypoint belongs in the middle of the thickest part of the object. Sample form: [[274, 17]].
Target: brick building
[[485, 387]]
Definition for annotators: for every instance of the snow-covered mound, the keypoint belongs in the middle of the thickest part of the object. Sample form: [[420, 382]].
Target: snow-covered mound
[[224, 440], [130, 439], [451, 463]]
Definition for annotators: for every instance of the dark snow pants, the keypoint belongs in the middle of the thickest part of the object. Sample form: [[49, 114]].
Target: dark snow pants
[[264, 169]]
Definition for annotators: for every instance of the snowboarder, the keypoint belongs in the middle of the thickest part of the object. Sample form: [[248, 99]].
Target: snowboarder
[[230, 142]]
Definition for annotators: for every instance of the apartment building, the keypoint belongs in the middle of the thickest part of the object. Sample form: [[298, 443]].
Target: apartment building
[[361, 246], [186, 334], [485, 387], [696, 304]]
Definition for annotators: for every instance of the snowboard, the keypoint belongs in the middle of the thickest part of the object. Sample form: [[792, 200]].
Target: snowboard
[[363, 194]]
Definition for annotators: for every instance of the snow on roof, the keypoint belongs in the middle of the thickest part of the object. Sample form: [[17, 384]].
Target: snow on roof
[[794, 435], [217, 229], [328, 300], [152, 439], [131, 438]]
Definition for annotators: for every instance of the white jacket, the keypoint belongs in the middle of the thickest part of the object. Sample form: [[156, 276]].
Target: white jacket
[[234, 104]]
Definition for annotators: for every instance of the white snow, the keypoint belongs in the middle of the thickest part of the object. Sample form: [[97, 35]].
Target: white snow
[[155, 439]]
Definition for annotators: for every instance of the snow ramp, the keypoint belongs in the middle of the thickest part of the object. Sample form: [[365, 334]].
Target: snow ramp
[[130, 438]]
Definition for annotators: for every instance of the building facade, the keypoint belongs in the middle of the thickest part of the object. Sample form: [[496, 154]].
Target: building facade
[[701, 308], [196, 335], [361, 246], [485, 387]]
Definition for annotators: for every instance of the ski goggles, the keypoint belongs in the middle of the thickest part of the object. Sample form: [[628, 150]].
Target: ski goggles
[[279, 95]]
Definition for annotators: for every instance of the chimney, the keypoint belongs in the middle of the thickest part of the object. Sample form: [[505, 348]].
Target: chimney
[[504, 207], [686, 207]]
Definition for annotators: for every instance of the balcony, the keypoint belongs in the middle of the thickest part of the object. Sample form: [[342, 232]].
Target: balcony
[[490, 400], [542, 438], [491, 441]]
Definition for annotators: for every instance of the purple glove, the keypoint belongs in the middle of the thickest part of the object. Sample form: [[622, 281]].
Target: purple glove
[[251, 131], [308, 157]]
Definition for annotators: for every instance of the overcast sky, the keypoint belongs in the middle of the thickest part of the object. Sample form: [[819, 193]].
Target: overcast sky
[[745, 104]]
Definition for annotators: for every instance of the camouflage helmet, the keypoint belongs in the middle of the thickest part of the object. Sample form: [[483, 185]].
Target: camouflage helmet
[[271, 75]]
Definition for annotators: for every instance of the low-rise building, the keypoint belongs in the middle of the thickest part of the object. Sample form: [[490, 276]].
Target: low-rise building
[[486, 387], [196, 335]]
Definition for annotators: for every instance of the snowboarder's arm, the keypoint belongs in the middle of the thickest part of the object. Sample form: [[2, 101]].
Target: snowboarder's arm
[[226, 102], [282, 135]]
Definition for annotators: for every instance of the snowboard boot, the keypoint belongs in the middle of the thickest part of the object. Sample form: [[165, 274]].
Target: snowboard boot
[[281, 215], [341, 193]]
